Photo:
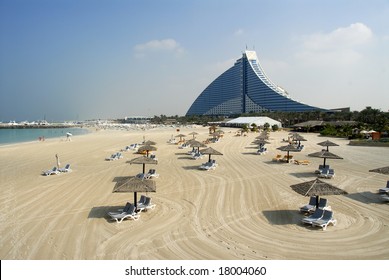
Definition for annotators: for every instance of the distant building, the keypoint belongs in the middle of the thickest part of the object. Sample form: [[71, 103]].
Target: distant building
[[245, 88]]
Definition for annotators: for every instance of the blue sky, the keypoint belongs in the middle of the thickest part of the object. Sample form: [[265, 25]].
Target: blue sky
[[84, 59]]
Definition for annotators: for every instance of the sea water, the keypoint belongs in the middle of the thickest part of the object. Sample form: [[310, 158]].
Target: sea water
[[19, 135]]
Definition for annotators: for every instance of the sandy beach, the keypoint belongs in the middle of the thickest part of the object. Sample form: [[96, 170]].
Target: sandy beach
[[244, 209]]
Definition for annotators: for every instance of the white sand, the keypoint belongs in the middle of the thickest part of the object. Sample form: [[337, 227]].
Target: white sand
[[245, 209]]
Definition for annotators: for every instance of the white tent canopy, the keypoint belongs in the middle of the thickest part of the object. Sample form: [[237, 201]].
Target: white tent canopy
[[259, 121]]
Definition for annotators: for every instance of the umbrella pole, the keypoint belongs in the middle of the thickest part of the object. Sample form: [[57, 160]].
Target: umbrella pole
[[135, 199], [317, 202], [209, 159], [144, 168], [324, 163]]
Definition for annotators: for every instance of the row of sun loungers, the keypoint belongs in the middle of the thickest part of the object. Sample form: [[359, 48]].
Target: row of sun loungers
[[116, 156], [132, 212], [131, 147], [56, 171]]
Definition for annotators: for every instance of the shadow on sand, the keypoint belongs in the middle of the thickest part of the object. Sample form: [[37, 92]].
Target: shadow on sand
[[366, 197], [304, 174], [283, 217], [100, 212]]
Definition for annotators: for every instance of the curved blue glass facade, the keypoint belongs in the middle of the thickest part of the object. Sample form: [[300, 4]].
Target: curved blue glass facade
[[245, 88]]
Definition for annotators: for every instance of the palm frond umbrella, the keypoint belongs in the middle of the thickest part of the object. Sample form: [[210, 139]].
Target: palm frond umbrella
[[327, 144], [149, 143], [193, 134], [381, 170], [297, 137], [196, 144], [260, 142], [210, 151], [289, 148], [143, 160], [134, 184], [316, 188], [180, 135], [147, 149], [325, 154]]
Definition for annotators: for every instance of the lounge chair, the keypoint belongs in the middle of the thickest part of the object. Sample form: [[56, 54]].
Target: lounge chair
[[65, 169], [208, 165], [112, 157], [262, 151], [308, 208], [119, 211], [53, 171], [277, 158], [321, 168], [385, 196], [154, 157], [323, 222], [152, 174], [142, 200], [197, 156], [129, 214], [384, 190], [142, 176], [323, 204], [327, 173], [146, 205], [119, 155], [302, 162], [315, 216]]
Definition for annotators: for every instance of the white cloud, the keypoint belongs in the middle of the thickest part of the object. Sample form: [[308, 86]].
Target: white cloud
[[340, 47], [239, 32], [169, 45], [356, 34]]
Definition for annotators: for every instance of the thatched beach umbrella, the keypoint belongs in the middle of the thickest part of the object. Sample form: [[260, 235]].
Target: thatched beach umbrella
[[180, 135], [289, 148], [196, 144], [135, 185], [193, 134], [260, 142], [325, 154], [143, 160], [146, 148], [316, 188], [381, 170], [327, 144], [149, 143], [210, 151]]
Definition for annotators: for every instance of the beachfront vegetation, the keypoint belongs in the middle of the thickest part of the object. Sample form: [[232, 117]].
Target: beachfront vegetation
[[344, 123]]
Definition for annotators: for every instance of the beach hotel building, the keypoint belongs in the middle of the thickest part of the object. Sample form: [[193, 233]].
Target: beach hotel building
[[245, 88]]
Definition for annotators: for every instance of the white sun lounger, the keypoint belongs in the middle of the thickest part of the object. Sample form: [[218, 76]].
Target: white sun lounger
[[53, 171], [65, 169], [314, 217], [146, 205], [327, 219], [129, 214]]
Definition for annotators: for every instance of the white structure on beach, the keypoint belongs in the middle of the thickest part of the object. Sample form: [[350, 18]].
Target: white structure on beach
[[259, 121]]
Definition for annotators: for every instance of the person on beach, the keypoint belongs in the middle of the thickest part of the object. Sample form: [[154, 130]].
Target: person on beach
[[58, 163]]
